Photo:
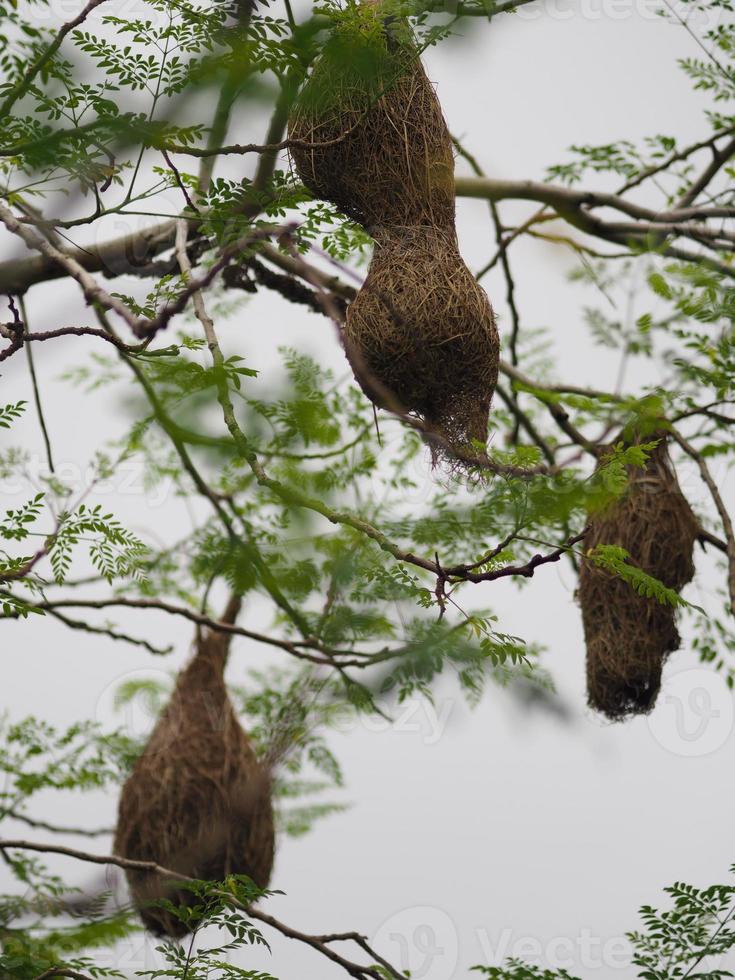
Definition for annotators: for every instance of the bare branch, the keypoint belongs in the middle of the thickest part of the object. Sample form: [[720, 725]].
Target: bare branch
[[133, 253], [320, 943], [75, 332], [93, 292], [295, 648], [719, 159], [62, 971], [719, 503], [55, 829], [110, 632], [675, 157]]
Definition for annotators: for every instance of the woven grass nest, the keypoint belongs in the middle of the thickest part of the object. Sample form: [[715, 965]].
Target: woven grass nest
[[629, 636], [386, 156], [197, 801], [425, 329], [421, 335]]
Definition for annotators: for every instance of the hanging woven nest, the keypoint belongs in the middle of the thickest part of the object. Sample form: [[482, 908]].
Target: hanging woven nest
[[629, 636], [376, 143], [421, 336], [197, 801]]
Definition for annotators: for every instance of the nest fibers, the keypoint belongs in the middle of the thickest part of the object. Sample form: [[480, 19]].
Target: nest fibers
[[197, 801], [421, 335], [424, 328], [377, 144], [629, 636]]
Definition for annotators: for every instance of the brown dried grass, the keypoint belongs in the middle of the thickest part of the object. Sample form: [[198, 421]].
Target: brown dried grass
[[421, 334], [197, 801], [382, 152], [423, 326], [629, 636]]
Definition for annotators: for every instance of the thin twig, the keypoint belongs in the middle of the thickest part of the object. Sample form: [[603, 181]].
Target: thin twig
[[93, 292], [56, 829], [719, 503], [34, 383], [108, 631]]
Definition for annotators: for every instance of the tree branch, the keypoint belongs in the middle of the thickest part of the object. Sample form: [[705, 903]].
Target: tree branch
[[108, 631], [55, 829], [295, 648], [93, 292], [133, 253], [319, 943], [719, 159], [727, 527]]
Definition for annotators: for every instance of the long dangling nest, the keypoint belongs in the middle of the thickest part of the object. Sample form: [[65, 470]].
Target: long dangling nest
[[422, 332], [629, 636], [378, 146], [420, 335], [198, 801]]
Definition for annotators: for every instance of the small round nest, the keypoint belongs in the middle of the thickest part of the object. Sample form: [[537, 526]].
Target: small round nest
[[377, 145], [421, 334], [197, 801], [629, 636]]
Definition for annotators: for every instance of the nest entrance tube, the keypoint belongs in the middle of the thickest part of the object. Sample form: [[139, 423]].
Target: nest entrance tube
[[198, 801], [371, 138], [629, 636]]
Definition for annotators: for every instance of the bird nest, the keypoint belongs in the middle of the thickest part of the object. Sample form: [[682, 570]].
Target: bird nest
[[370, 137], [422, 332], [628, 635], [197, 802], [370, 134]]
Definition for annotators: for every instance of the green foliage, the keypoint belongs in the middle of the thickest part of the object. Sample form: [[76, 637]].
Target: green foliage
[[15, 526], [616, 560], [108, 120], [9, 413], [113, 550], [690, 939], [219, 904], [286, 717], [37, 756], [40, 927], [518, 970], [714, 639]]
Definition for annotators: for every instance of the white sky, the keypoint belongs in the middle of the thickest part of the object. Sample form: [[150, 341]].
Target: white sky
[[469, 833]]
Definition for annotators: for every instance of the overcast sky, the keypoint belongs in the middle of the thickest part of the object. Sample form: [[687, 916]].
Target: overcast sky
[[471, 835]]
